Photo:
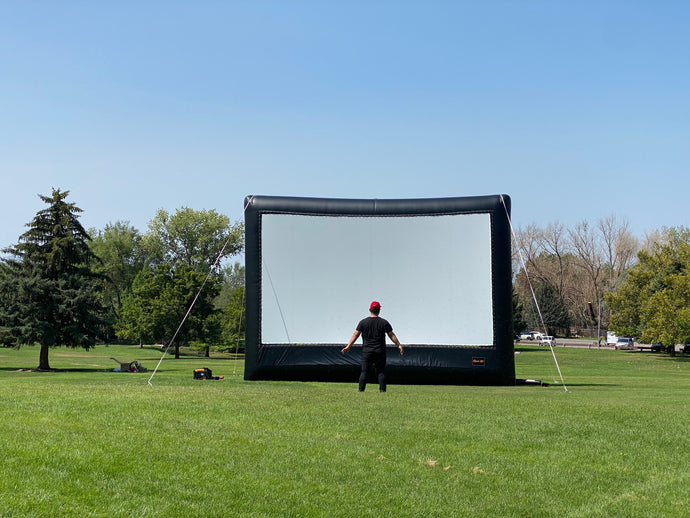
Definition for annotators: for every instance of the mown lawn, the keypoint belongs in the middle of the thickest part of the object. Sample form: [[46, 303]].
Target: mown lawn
[[87, 441]]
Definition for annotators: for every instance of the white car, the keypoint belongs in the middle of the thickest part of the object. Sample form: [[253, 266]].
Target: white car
[[547, 340]]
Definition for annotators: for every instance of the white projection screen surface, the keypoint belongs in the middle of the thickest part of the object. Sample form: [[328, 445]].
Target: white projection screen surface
[[431, 273]]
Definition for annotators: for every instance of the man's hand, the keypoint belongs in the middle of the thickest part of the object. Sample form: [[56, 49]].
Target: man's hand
[[355, 335], [400, 349]]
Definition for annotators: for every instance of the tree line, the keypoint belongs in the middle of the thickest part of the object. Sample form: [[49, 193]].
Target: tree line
[[591, 278], [64, 285], [61, 285]]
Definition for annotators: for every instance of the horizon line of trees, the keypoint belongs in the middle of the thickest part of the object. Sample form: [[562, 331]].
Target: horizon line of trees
[[568, 270], [585, 277], [61, 285], [154, 278]]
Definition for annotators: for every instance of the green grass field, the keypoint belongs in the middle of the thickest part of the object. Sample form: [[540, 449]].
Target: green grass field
[[90, 442]]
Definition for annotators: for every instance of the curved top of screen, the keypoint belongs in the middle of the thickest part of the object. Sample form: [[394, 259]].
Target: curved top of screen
[[379, 207]]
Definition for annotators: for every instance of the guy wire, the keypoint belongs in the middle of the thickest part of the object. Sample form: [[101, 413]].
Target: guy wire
[[239, 329], [275, 294], [191, 306], [534, 297]]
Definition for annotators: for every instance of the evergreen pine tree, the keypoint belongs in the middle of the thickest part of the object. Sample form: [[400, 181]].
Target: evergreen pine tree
[[553, 310], [48, 291], [519, 322]]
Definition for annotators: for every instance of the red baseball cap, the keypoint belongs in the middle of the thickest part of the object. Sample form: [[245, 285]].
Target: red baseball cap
[[374, 305]]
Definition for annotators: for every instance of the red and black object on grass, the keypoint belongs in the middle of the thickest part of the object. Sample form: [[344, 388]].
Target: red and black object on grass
[[205, 374]]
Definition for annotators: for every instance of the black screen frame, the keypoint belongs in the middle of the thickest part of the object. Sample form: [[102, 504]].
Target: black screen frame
[[465, 365]]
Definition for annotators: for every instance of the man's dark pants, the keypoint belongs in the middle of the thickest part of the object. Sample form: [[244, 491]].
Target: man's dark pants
[[378, 360]]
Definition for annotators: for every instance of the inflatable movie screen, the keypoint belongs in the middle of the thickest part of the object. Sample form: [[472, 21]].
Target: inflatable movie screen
[[441, 269]]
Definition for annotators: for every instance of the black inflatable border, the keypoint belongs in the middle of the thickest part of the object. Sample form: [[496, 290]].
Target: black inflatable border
[[494, 365]]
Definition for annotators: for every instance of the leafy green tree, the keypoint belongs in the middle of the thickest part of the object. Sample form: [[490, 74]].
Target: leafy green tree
[[158, 304], [182, 250], [137, 319], [192, 238], [121, 256], [234, 321], [49, 293], [653, 302], [233, 278], [231, 303]]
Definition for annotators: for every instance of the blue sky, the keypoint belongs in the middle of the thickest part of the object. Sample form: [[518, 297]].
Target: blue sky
[[577, 110]]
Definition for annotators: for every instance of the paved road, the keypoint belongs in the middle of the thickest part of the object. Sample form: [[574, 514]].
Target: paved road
[[570, 342], [585, 343]]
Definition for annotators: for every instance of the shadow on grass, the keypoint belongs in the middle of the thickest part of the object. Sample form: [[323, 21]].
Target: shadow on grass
[[522, 383], [535, 349], [677, 358], [84, 370], [589, 385]]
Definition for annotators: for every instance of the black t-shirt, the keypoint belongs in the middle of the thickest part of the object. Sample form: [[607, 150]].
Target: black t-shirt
[[374, 330]]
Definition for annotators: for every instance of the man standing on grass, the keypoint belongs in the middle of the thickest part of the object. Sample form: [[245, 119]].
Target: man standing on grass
[[373, 330]]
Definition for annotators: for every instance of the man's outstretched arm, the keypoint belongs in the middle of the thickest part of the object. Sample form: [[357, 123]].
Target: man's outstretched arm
[[354, 337], [392, 336]]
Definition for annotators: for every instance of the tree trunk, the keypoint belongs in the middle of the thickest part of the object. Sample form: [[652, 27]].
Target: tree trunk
[[207, 352], [177, 351], [43, 364]]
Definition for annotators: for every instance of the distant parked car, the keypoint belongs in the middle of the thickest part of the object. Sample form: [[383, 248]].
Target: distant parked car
[[547, 340], [530, 335], [686, 348], [624, 343], [611, 338], [656, 348]]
